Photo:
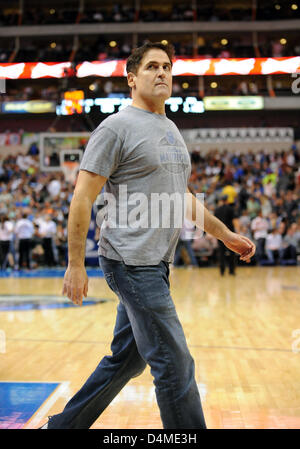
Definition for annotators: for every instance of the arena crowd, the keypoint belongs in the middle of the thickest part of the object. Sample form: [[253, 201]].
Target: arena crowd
[[262, 189]]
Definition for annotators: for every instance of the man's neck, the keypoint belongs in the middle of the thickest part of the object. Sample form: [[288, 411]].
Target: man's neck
[[156, 108]]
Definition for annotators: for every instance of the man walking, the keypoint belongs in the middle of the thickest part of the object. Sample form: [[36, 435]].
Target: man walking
[[140, 148]]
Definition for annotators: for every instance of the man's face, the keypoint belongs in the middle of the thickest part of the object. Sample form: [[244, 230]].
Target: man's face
[[154, 76]]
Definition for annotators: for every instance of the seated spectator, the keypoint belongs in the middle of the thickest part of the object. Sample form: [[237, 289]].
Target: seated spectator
[[273, 246], [265, 204], [269, 187], [282, 226], [253, 206], [185, 241], [259, 227], [37, 253], [244, 220], [204, 245], [290, 205], [245, 231], [288, 254], [5, 195], [274, 220], [243, 88]]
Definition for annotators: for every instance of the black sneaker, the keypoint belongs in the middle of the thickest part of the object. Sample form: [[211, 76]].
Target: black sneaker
[[45, 426]]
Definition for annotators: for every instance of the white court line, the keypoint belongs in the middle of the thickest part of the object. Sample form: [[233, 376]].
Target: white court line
[[61, 390]]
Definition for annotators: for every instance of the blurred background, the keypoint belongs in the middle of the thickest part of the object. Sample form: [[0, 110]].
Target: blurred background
[[235, 99]]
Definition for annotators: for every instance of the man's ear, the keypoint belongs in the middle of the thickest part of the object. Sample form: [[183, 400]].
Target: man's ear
[[131, 79]]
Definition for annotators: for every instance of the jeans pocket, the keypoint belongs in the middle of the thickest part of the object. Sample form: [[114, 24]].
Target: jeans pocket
[[151, 289]]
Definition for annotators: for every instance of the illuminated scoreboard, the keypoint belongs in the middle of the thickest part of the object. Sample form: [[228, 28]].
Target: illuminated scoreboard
[[72, 103], [187, 105], [114, 104]]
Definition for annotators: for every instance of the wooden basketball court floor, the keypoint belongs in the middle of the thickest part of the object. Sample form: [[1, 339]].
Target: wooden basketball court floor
[[243, 332]]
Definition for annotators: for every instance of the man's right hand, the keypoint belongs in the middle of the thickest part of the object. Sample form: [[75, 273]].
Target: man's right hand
[[75, 284]]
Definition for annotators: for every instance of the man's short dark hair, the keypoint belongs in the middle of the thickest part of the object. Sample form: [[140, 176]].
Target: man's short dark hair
[[138, 53]]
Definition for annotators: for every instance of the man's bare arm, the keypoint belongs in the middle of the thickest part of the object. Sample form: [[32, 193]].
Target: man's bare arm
[[87, 188]]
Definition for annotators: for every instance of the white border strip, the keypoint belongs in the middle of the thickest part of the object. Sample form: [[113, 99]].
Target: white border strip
[[61, 390]]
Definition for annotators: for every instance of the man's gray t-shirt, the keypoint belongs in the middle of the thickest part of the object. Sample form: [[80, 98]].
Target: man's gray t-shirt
[[146, 161]]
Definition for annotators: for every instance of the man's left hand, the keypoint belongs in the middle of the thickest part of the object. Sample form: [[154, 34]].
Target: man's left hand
[[241, 245]]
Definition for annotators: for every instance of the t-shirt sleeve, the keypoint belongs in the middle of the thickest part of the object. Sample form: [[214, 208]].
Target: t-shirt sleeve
[[102, 153]]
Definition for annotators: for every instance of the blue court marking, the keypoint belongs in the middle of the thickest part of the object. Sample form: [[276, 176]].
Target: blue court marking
[[20, 400], [45, 273], [38, 302]]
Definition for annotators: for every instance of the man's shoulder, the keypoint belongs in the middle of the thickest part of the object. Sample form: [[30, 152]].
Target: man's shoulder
[[117, 121]]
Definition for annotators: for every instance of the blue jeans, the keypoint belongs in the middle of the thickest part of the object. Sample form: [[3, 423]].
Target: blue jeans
[[147, 331]]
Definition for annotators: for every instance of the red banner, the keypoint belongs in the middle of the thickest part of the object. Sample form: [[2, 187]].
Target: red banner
[[181, 67], [34, 70]]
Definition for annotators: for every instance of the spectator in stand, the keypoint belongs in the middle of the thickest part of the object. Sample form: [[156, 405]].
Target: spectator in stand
[[185, 241], [286, 179], [282, 226], [24, 231], [245, 231], [274, 220], [205, 245], [47, 231], [253, 206], [6, 240], [273, 246], [25, 161], [277, 206], [61, 244], [290, 205], [265, 204], [288, 254], [37, 253], [54, 187], [243, 88], [230, 192], [255, 175], [260, 227], [277, 49], [6, 196], [244, 220], [253, 88], [33, 150], [269, 187]]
